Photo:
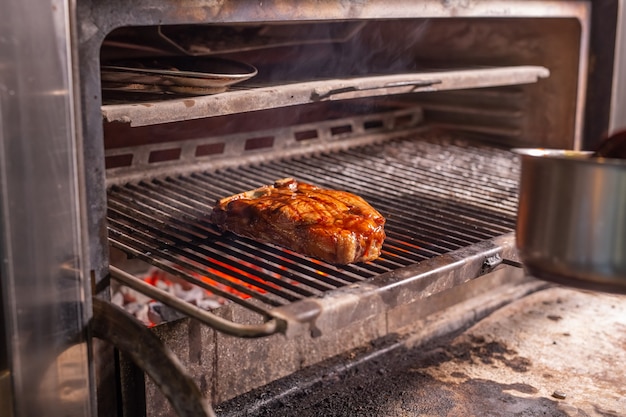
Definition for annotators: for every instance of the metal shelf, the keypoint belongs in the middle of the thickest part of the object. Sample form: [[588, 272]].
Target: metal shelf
[[276, 96]]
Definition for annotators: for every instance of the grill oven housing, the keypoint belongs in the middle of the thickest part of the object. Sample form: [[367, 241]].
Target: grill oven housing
[[574, 41]]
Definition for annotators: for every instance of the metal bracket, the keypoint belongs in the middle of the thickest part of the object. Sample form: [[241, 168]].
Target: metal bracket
[[490, 263]]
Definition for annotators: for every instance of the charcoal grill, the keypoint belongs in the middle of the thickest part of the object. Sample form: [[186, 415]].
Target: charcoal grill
[[439, 194], [413, 106]]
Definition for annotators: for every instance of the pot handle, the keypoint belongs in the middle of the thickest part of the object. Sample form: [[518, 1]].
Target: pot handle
[[112, 324]]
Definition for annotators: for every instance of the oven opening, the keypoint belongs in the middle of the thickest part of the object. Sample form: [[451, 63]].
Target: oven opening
[[421, 136], [415, 116]]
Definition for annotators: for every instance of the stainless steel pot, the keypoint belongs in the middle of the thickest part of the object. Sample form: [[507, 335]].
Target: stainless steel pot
[[571, 226]]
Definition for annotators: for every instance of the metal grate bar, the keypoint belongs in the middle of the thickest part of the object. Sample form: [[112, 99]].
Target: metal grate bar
[[413, 184], [305, 266], [201, 252], [456, 180], [173, 186], [418, 253], [435, 191], [424, 182], [473, 167], [179, 257], [166, 241], [438, 196], [369, 269], [403, 205], [137, 250], [237, 180], [410, 215]]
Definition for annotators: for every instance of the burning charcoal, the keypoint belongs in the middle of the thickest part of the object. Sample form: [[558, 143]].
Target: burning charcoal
[[133, 307], [190, 295], [153, 313], [131, 296], [142, 315], [209, 303], [139, 311], [163, 285], [118, 299], [163, 312]]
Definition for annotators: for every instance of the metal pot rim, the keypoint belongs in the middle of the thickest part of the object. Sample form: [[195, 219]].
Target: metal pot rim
[[578, 157]]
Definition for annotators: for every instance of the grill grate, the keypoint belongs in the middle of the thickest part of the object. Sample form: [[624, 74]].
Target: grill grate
[[438, 194]]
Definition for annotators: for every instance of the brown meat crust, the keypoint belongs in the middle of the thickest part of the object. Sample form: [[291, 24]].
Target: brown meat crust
[[334, 226]]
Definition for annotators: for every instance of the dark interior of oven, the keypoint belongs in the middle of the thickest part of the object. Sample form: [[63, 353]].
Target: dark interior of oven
[[432, 154]]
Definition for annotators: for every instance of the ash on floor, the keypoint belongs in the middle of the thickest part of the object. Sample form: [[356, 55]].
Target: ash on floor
[[558, 352]]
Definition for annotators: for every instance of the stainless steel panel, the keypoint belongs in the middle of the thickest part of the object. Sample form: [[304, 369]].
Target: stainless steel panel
[[571, 227], [44, 285], [618, 104]]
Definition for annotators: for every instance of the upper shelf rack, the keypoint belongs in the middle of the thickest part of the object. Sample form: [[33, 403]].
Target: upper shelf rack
[[275, 96]]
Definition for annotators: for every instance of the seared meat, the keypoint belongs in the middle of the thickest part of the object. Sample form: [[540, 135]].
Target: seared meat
[[334, 226]]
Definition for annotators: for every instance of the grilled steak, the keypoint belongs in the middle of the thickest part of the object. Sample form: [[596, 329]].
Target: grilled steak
[[334, 226]]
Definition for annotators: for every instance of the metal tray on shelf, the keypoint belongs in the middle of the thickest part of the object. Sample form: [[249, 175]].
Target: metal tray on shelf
[[175, 75]]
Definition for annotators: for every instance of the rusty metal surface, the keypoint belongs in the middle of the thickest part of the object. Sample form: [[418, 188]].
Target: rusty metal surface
[[372, 127], [553, 353], [108, 15], [254, 99]]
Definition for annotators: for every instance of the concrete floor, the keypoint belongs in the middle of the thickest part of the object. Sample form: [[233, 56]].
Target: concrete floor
[[523, 359], [557, 352]]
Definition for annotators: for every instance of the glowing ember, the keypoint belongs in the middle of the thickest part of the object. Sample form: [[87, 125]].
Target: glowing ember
[[152, 312]]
